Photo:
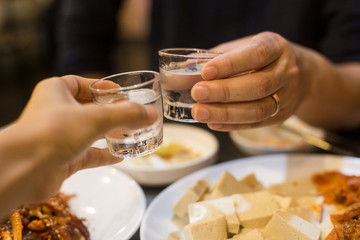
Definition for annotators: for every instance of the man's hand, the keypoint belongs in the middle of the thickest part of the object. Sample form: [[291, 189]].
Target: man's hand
[[239, 84]]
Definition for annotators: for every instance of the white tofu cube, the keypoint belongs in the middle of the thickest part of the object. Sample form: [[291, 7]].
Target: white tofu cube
[[213, 228], [285, 226], [254, 210], [193, 194], [201, 210]]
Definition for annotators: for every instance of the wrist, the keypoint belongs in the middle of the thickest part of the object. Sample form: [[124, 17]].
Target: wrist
[[20, 144], [307, 72]]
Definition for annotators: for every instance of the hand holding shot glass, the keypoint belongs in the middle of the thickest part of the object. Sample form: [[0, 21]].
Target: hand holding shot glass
[[180, 70], [142, 87]]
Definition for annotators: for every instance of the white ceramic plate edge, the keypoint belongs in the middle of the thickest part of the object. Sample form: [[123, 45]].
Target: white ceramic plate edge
[[173, 192], [83, 184]]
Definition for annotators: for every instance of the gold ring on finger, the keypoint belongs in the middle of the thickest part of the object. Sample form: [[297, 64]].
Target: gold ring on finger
[[277, 102]]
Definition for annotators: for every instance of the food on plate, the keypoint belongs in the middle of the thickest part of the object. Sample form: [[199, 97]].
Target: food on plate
[[213, 227], [342, 193], [193, 194], [244, 209], [284, 226], [212, 207], [228, 185], [175, 152], [303, 191], [51, 220], [171, 153], [337, 188], [346, 224]]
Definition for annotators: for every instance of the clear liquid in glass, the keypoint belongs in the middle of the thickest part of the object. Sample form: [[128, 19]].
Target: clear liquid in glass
[[176, 86], [135, 143]]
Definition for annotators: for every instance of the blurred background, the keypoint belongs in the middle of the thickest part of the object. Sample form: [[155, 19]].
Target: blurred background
[[28, 47]]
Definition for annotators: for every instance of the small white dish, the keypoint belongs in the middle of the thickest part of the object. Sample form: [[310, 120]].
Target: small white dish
[[269, 169], [152, 170], [111, 202], [270, 139]]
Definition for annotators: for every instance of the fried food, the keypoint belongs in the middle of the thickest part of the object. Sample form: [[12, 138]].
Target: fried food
[[343, 191], [338, 188], [51, 220]]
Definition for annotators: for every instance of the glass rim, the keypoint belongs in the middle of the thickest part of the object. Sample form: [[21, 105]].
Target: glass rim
[[157, 78], [163, 52]]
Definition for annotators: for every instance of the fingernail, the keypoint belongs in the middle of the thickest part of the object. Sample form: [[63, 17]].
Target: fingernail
[[151, 113], [200, 93], [209, 73], [201, 113]]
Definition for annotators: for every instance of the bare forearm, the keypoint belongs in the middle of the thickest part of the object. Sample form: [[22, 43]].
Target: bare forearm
[[22, 165], [333, 100]]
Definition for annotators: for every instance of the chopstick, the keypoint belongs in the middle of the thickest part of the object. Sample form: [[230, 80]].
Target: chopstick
[[320, 143]]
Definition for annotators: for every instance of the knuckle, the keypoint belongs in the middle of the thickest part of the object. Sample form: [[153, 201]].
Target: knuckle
[[70, 76], [68, 79], [273, 37], [44, 83], [233, 65], [265, 44], [283, 43], [41, 84], [225, 116], [258, 113], [294, 72], [260, 52], [263, 87], [226, 93], [279, 42], [71, 82]]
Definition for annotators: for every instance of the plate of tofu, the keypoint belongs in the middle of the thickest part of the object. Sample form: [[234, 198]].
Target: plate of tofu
[[260, 197]]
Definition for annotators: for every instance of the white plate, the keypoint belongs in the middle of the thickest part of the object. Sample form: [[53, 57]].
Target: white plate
[[160, 172], [112, 203], [269, 169]]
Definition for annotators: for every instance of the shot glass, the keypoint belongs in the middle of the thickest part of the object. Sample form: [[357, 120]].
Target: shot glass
[[180, 69], [139, 86]]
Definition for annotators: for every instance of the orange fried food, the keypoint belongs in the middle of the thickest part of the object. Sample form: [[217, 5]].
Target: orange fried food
[[337, 188], [343, 191], [346, 225], [51, 220]]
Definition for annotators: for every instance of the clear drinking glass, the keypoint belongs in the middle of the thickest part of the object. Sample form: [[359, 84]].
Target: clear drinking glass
[[180, 69], [142, 87]]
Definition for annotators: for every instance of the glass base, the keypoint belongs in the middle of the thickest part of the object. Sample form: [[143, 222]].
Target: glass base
[[184, 120], [180, 112], [123, 151]]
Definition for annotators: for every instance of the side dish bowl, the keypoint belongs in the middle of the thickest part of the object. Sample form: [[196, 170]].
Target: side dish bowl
[[271, 139], [185, 149]]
